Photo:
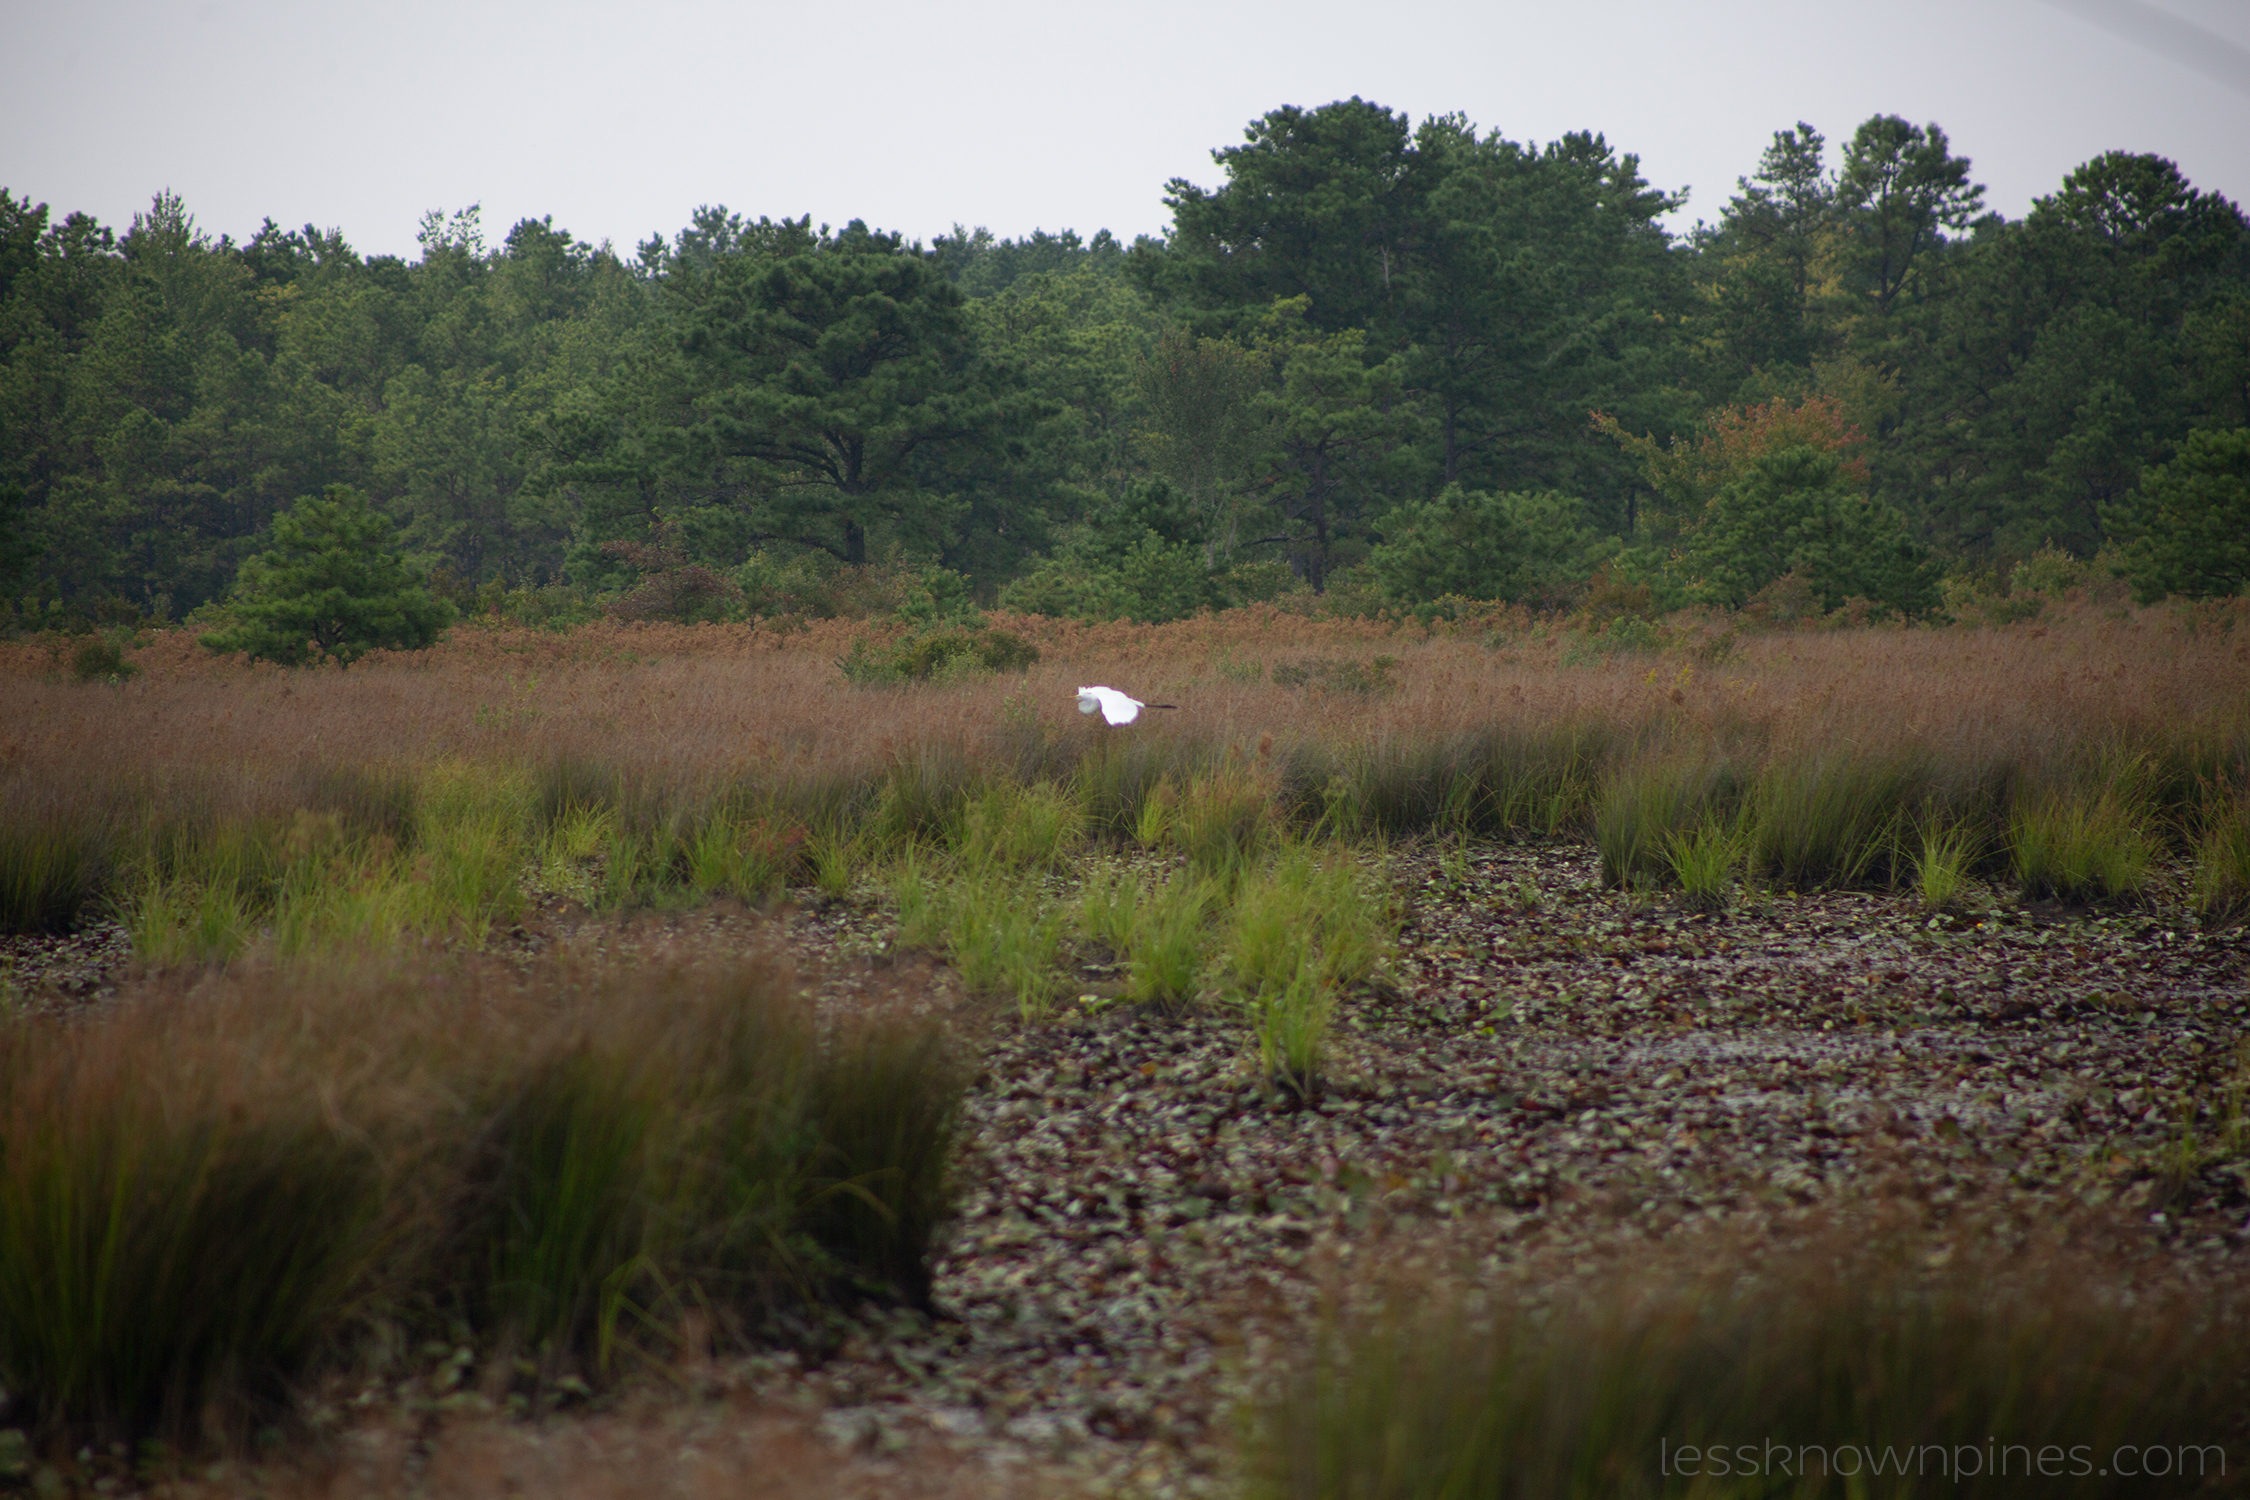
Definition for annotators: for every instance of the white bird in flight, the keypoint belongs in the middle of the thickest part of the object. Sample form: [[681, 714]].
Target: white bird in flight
[[1114, 707]]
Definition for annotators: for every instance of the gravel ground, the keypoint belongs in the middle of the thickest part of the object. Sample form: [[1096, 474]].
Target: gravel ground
[[1551, 1075]]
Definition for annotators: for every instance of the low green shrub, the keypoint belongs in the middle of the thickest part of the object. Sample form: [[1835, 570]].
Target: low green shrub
[[937, 655], [101, 658], [1366, 679]]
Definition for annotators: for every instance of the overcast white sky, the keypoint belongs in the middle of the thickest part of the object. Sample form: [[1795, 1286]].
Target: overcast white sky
[[620, 120]]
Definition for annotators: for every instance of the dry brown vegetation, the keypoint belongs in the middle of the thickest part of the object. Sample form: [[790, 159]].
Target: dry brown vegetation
[[1446, 735], [686, 703]]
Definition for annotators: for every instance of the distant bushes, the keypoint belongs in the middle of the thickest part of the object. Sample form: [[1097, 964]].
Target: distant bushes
[[935, 655]]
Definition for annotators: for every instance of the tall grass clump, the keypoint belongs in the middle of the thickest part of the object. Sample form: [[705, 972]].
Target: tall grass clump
[[2082, 846], [1225, 821], [1170, 940], [200, 1196], [1833, 817], [922, 791], [1297, 933], [1157, 927], [1843, 1372], [744, 854], [56, 855], [999, 930], [1647, 807], [1120, 775], [1004, 937], [174, 1241], [2222, 864], [1013, 825]]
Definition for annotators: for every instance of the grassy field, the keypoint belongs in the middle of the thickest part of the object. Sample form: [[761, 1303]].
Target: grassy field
[[564, 1161]]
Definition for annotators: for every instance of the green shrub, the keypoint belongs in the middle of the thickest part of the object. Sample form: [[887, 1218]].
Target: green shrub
[[1365, 679], [99, 658], [940, 654]]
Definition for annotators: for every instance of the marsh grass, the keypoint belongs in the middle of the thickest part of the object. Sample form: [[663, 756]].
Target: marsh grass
[[679, 744], [1170, 940], [1226, 821], [1704, 861], [1596, 1390], [1296, 934], [201, 1193], [2222, 862], [1833, 818], [1004, 937], [2087, 846], [173, 1243], [56, 858], [1013, 825], [1949, 852], [1648, 808], [999, 929]]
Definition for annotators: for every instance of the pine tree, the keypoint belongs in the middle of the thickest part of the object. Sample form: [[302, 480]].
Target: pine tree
[[333, 584]]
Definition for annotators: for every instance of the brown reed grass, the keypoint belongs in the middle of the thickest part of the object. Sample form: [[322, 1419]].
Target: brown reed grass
[[1872, 1359], [206, 1188], [716, 701], [1511, 727]]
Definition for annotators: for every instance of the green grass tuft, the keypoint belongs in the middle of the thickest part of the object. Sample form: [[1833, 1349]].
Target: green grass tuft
[[2087, 847], [1833, 819], [1704, 860], [1941, 871], [2222, 865]]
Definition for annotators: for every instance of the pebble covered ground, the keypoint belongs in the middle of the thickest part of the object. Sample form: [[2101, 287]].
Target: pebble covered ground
[[1549, 1074]]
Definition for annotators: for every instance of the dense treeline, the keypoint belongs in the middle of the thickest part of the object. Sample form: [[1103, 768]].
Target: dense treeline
[[1390, 362]]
